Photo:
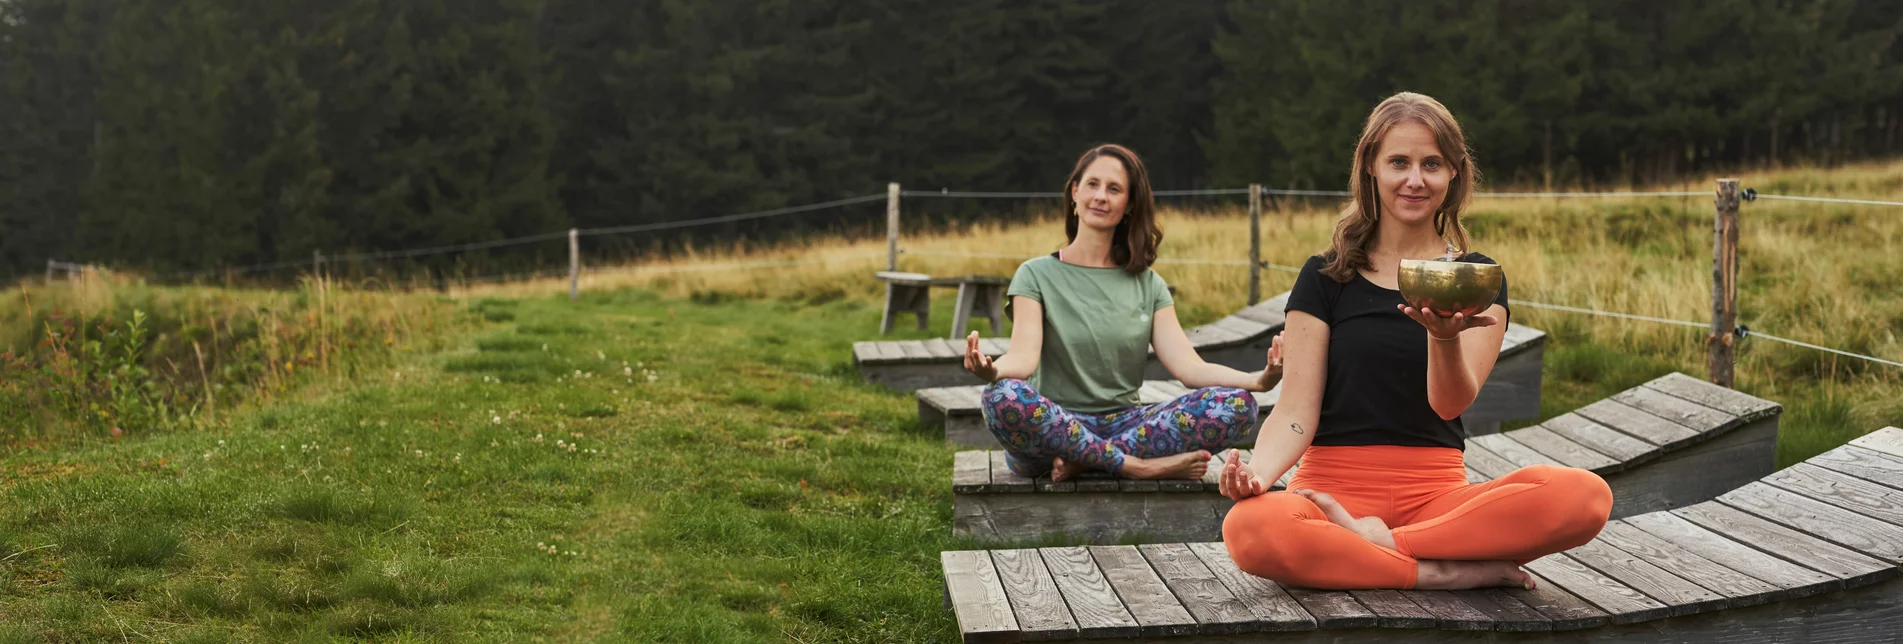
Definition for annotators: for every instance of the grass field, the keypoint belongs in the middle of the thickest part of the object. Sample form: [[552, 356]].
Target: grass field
[[685, 454]]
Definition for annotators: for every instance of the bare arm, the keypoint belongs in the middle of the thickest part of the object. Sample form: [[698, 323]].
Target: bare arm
[[1027, 343], [1460, 355], [1291, 426], [1176, 353]]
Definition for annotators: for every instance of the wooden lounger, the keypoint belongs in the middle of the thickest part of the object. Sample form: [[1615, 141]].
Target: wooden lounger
[[1808, 553], [1668, 443], [1512, 392]]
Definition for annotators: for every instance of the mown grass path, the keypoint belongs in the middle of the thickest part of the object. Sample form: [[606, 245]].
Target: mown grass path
[[622, 468]]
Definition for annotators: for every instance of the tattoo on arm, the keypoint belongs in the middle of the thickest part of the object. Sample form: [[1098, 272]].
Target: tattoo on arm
[[1295, 427]]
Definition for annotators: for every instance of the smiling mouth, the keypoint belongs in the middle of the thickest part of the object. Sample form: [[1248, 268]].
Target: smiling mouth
[[1099, 211], [1413, 199]]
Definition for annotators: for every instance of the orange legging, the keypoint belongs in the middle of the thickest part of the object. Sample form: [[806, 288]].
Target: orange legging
[[1423, 495]]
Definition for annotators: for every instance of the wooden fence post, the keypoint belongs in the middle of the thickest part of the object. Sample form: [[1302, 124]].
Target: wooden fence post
[[574, 264], [1255, 243], [1724, 284], [49, 270], [892, 226], [317, 263]]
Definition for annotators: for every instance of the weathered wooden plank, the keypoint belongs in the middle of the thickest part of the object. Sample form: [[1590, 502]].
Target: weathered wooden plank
[[1888, 440], [1852, 567], [1035, 601], [1045, 484], [1730, 401], [1638, 424], [1698, 417], [1793, 580], [1394, 610], [1831, 523], [994, 347], [1156, 610], [1623, 604], [1566, 610], [942, 348], [1486, 462], [1476, 477], [1334, 608], [1605, 440], [1091, 600], [1096, 482], [1270, 316], [1514, 452], [1682, 596], [914, 349], [1504, 612], [1450, 612], [1842, 490], [971, 472], [1272, 606], [1562, 449], [977, 597], [1738, 588], [1246, 328], [1866, 464], [1216, 609], [1005, 480], [1137, 485], [862, 351]]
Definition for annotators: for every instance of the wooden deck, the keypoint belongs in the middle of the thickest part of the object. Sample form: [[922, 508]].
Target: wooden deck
[[1512, 392], [1803, 554], [1241, 341], [1668, 443]]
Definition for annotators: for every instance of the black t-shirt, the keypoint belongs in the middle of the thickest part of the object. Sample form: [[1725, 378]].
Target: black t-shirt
[[1376, 393]]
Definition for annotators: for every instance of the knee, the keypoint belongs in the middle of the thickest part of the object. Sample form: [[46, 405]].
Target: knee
[[1585, 498], [1005, 393], [1242, 403], [1256, 532]]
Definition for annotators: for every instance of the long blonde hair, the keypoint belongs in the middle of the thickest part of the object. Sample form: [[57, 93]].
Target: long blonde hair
[[1355, 229]]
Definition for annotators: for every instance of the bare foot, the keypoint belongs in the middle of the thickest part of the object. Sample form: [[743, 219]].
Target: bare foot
[[1371, 528], [1187, 465], [1442, 574], [1062, 470]]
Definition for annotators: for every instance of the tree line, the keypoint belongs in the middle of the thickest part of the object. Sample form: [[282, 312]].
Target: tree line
[[178, 135]]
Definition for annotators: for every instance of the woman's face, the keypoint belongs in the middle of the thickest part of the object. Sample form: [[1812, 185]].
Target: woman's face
[[1102, 193], [1411, 174]]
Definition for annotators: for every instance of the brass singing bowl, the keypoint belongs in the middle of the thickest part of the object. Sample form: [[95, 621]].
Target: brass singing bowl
[[1447, 288]]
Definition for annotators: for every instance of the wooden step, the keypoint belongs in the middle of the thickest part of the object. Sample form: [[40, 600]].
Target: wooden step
[[1804, 554], [1685, 441]]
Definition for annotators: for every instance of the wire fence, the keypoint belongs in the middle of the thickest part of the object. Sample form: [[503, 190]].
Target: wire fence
[[317, 260]]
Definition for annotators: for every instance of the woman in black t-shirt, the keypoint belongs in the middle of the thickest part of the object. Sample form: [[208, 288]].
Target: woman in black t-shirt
[[1372, 396]]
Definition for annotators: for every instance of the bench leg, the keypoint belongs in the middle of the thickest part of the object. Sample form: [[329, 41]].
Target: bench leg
[[922, 305], [961, 312], [993, 299], [892, 293]]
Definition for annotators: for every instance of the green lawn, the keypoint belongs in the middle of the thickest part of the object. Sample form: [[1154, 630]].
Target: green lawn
[[622, 468]]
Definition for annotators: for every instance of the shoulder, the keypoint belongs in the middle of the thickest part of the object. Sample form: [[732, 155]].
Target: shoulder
[[1315, 264]]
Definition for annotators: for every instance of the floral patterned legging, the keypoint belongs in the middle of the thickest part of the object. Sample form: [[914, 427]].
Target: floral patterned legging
[[1034, 431]]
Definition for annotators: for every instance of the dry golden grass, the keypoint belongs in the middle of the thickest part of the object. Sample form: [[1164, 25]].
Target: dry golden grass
[[1822, 273]]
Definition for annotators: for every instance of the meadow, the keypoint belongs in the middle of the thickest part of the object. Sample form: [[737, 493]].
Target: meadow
[[685, 454]]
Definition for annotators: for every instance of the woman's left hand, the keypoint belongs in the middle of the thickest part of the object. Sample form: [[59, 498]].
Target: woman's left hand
[[1446, 328]]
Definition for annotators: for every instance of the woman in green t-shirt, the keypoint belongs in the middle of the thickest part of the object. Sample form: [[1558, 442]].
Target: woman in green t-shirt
[[1063, 399]]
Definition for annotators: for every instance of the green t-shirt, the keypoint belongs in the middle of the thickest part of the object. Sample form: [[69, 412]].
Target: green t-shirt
[[1096, 331]]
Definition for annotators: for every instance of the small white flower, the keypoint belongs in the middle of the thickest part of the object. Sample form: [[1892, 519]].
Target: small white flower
[[627, 371], [221, 442], [601, 356], [207, 456], [496, 420]]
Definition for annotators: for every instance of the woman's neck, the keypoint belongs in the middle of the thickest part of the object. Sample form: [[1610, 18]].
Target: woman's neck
[[1395, 241], [1090, 248]]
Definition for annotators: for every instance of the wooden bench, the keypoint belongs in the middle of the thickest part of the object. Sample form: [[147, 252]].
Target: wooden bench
[[1668, 443], [911, 293], [1512, 392], [1808, 553]]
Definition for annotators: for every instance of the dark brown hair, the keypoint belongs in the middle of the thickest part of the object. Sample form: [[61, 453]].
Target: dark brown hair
[[1354, 231], [1134, 244]]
